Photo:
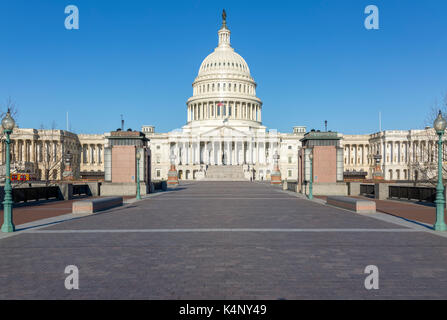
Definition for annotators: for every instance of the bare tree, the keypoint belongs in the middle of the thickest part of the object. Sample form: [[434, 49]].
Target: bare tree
[[11, 106], [49, 156], [424, 158]]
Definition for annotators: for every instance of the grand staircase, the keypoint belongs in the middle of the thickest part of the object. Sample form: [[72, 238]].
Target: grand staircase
[[225, 173]]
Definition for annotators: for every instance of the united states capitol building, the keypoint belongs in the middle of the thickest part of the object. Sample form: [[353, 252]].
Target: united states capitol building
[[223, 137]]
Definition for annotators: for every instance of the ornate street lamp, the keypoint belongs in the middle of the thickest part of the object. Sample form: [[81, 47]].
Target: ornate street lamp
[[439, 125], [138, 156], [8, 124], [275, 177], [311, 157]]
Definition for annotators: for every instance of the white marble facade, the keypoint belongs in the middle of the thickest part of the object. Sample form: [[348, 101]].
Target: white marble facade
[[224, 124]]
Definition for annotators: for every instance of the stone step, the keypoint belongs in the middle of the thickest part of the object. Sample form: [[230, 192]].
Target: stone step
[[225, 173]]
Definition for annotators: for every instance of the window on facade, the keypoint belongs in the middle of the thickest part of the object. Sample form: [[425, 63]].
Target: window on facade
[[290, 173], [158, 174], [290, 147], [290, 160]]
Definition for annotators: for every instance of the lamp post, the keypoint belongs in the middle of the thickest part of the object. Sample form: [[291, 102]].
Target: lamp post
[[138, 156], [8, 124], [440, 125], [275, 177], [311, 177]]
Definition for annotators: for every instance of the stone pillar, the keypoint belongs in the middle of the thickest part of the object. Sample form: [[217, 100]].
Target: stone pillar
[[217, 153], [243, 152], [236, 151], [251, 151], [381, 191], [33, 153]]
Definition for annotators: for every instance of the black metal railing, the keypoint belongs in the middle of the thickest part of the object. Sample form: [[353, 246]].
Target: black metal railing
[[413, 193], [160, 185], [291, 186], [81, 190], [367, 190], [36, 194]]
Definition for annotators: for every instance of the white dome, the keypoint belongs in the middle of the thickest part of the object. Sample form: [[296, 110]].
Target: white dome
[[224, 88], [224, 61]]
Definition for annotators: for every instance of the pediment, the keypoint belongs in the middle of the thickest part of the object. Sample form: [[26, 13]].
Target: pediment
[[226, 131]]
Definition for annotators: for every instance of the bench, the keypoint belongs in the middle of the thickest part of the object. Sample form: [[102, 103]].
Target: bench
[[95, 205], [357, 205]]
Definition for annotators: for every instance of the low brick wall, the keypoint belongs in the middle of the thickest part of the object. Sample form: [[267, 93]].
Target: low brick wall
[[95, 205], [123, 189], [357, 205], [330, 189]]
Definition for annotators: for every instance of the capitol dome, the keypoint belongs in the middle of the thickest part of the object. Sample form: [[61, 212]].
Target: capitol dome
[[224, 61], [224, 88]]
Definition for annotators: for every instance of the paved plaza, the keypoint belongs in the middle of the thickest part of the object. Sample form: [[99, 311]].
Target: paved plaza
[[225, 240]]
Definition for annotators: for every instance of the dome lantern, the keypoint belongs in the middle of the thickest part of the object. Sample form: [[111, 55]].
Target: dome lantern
[[224, 33]]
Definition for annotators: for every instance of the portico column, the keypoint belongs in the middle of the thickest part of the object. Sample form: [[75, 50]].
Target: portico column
[[251, 151], [243, 152], [206, 156], [229, 161], [219, 155], [213, 152], [236, 151]]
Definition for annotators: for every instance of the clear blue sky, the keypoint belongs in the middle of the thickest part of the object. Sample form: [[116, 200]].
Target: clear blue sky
[[313, 60]]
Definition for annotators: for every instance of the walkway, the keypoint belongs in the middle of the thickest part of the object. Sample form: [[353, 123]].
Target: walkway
[[224, 240]]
